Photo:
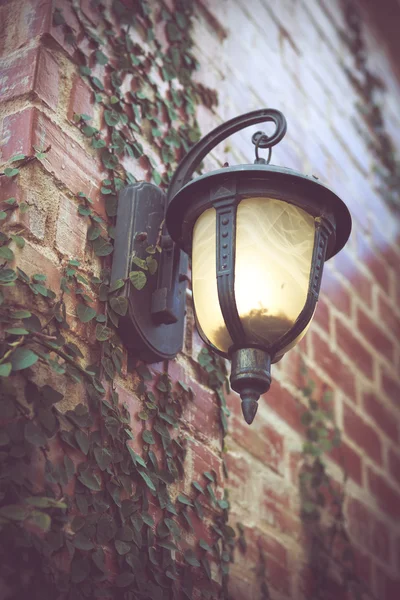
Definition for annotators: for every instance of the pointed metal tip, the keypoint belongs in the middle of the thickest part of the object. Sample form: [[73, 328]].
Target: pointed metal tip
[[249, 409]]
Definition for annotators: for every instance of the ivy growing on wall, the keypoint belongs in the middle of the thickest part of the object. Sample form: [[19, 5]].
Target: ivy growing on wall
[[371, 90], [90, 508], [334, 571]]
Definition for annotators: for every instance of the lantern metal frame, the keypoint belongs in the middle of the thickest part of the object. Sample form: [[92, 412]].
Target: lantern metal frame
[[146, 214]]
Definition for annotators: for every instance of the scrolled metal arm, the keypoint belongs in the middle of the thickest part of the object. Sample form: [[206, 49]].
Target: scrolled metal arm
[[193, 158]]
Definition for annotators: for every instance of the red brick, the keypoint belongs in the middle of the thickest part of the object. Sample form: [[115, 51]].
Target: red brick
[[238, 468], [350, 345], [391, 387], [361, 284], [349, 460], [322, 315], [362, 434], [380, 540], [369, 533], [283, 403], [388, 499], [383, 417], [332, 289], [276, 563], [388, 317], [199, 459], [32, 262], [66, 160], [376, 265], [386, 588], [331, 363], [260, 440], [374, 335], [362, 565], [81, 99], [22, 21], [394, 466], [202, 412]]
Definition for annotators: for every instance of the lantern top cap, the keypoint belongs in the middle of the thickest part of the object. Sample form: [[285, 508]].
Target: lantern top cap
[[260, 180]]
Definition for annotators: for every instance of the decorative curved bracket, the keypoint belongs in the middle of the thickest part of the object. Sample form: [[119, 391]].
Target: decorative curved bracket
[[193, 158]]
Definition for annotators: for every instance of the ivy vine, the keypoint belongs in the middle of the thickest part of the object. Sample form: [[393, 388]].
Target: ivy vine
[[371, 88], [89, 507], [332, 559]]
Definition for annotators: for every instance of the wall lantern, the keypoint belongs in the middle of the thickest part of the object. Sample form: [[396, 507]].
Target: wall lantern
[[258, 236]]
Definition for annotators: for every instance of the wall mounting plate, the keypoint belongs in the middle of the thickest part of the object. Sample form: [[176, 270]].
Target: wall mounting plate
[[153, 325]]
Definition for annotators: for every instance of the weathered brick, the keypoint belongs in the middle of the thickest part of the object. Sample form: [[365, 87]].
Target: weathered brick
[[391, 387], [334, 292], [81, 100], [202, 412], [382, 416], [386, 496], [350, 345], [349, 460], [369, 533], [71, 230], [322, 315], [388, 318], [361, 284], [31, 70], [283, 403], [374, 335], [66, 160], [332, 364], [261, 440], [394, 465], [362, 434], [22, 21]]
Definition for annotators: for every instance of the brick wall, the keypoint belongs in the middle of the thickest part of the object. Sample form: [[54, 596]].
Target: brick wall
[[290, 55]]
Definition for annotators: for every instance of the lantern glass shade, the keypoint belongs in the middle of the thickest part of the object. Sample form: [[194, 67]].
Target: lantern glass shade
[[273, 257]]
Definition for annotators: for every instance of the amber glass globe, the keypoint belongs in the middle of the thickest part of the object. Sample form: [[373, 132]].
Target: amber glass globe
[[273, 256]]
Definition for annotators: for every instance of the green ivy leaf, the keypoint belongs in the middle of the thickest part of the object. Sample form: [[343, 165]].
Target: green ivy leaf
[[148, 437], [125, 579], [6, 253], [22, 358], [85, 313], [90, 480], [197, 487], [82, 441], [10, 172], [109, 160], [103, 458], [103, 333], [119, 305], [136, 458], [111, 117], [138, 279], [17, 331], [18, 240], [7, 276], [116, 285], [3, 215], [122, 547], [34, 435], [82, 542], [183, 500], [5, 369], [17, 157], [93, 233], [147, 480], [101, 58], [191, 558], [102, 247], [14, 512], [152, 264]]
